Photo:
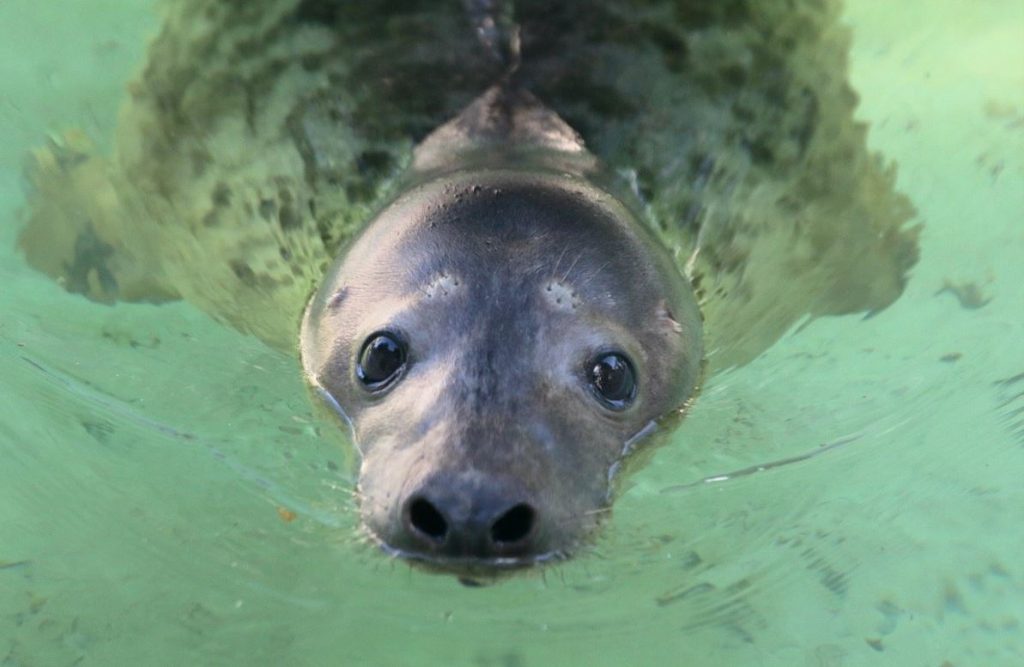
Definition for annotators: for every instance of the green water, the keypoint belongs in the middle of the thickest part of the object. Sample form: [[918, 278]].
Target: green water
[[149, 457]]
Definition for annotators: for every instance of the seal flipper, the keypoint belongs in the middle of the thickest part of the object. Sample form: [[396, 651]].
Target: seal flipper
[[98, 228], [82, 226]]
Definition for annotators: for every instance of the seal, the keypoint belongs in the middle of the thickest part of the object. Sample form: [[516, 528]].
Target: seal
[[498, 338], [507, 324]]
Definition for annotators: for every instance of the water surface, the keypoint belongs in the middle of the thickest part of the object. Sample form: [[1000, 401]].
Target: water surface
[[168, 496]]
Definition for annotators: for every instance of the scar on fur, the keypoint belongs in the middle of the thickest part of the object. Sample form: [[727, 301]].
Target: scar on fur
[[337, 298]]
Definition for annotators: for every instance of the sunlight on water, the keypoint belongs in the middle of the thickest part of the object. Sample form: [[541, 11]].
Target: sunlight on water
[[169, 495]]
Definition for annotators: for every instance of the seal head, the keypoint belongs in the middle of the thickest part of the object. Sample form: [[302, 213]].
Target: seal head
[[497, 339]]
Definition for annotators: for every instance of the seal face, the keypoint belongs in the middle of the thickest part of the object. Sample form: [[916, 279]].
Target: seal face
[[496, 338]]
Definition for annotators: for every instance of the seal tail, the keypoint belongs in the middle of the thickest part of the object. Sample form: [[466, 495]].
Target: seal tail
[[495, 26]]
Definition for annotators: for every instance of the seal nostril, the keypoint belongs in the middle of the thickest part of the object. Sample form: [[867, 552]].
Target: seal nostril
[[425, 518], [514, 525]]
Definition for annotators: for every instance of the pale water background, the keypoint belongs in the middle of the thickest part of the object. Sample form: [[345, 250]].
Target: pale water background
[[147, 453]]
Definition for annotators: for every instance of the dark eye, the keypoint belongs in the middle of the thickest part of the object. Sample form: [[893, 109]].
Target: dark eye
[[382, 358], [611, 376]]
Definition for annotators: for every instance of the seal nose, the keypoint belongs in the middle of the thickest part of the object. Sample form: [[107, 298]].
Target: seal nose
[[470, 519]]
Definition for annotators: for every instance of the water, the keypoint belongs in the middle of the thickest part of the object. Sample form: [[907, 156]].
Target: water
[[167, 495]]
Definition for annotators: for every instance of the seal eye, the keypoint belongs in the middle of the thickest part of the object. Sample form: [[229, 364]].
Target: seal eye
[[612, 378], [381, 360]]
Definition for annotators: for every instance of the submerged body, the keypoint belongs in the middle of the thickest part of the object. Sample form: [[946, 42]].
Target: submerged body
[[492, 288]]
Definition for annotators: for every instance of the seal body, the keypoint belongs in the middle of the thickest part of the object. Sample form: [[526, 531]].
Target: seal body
[[259, 137], [501, 278]]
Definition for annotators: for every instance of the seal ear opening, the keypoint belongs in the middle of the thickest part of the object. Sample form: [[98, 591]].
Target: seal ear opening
[[667, 319], [683, 332]]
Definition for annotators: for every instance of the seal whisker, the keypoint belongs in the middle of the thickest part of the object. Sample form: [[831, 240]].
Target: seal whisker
[[558, 262], [572, 266], [593, 274]]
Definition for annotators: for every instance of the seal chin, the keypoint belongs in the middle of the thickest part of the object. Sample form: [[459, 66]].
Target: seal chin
[[469, 569]]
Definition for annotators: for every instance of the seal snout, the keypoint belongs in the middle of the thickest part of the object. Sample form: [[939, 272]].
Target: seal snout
[[470, 518]]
